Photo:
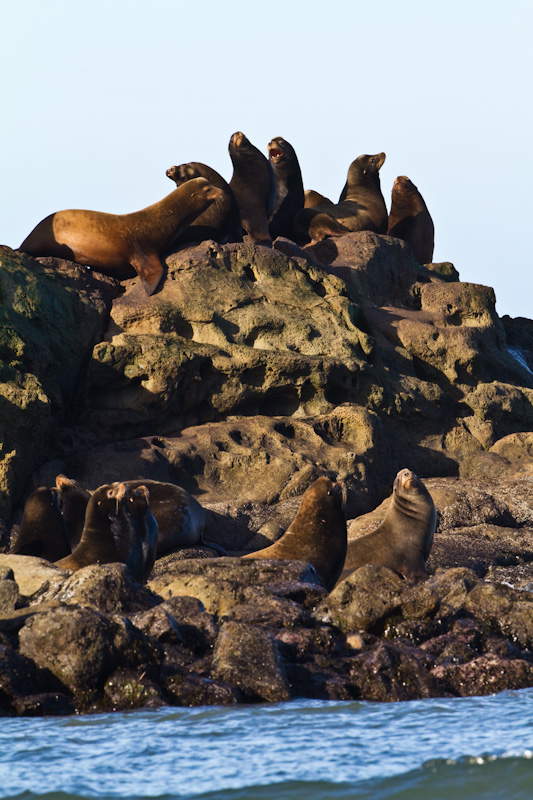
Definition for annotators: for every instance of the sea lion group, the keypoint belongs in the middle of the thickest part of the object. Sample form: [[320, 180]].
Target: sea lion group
[[134, 522], [264, 199]]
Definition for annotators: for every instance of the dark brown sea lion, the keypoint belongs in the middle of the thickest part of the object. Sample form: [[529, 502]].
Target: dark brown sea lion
[[112, 531], [312, 225], [410, 220], [180, 517], [42, 531], [222, 220], [317, 534], [121, 245], [253, 185], [74, 499], [403, 540], [313, 199], [289, 187], [361, 206]]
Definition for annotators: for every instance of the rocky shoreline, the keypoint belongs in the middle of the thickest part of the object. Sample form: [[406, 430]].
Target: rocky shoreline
[[250, 374]]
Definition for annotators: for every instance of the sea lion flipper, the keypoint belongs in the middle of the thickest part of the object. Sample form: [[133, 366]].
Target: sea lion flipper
[[149, 269]]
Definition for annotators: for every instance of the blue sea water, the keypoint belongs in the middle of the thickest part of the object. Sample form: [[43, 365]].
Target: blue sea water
[[304, 750]]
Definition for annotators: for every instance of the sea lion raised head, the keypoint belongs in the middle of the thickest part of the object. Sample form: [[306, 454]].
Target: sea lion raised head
[[74, 499], [42, 532], [253, 185], [410, 220], [289, 187], [318, 532], [221, 221], [403, 540]]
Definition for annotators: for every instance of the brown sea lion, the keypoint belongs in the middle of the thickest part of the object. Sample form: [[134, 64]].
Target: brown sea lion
[[410, 220], [312, 225], [317, 534], [313, 199], [222, 220], [121, 245], [74, 499], [42, 531], [403, 540], [254, 187], [289, 187], [361, 206], [180, 517], [112, 531]]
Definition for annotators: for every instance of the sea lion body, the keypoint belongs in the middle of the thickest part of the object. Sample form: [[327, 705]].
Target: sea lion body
[[403, 540], [317, 534], [74, 499], [314, 224], [221, 221], [313, 199], [289, 187], [361, 206], [120, 245], [410, 220], [180, 517], [42, 532], [254, 187], [111, 532]]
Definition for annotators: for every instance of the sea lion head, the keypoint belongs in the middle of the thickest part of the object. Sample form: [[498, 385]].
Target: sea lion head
[[366, 169], [282, 155], [238, 141], [182, 173], [200, 189], [403, 187], [411, 496]]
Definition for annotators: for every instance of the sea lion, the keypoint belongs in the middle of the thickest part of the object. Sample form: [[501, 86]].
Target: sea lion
[[74, 499], [289, 187], [112, 531], [317, 534], [180, 517], [313, 199], [121, 245], [312, 225], [403, 540], [42, 531], [221, 221], [361, 206], [254, 187], [410, 220]]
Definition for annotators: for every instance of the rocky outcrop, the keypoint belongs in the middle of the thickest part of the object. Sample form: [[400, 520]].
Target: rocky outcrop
[[249, 374]]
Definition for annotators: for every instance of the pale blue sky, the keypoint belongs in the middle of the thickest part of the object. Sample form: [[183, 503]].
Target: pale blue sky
[[100, 98]]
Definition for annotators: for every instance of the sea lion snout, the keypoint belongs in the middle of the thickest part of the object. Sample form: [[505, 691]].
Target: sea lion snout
[[238, 139]]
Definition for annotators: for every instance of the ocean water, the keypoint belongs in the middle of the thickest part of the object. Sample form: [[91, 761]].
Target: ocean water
[[303, 750]]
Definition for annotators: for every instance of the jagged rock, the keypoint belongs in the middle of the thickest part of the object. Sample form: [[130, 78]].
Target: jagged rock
[[33, 575], [102, 587], [223, 583], [46, 704], [193, 690], [19, 678], [182, 620], [247, 657], [363, 599], [9, 591], [393, 672], [484, 675], [51, 319], [127, 689]]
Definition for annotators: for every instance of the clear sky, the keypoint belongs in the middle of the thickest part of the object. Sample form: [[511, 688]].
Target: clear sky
[[101, 98]]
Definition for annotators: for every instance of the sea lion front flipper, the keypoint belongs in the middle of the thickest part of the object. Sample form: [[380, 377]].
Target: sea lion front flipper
[[150, 270]]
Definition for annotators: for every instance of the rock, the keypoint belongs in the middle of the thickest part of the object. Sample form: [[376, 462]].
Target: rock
[[247, 657], [182, 620], [393, 672], [47, 704], [18, 679], [52, 317], [129, 689], [102, 587], [191, 690], [33, 575], [484, 675], [363, 599]]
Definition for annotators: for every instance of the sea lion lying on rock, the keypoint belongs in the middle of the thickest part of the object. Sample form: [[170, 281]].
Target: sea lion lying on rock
[[121, 245]]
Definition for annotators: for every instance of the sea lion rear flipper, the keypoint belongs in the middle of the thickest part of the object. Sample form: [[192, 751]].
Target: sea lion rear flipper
[[149, 269]]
